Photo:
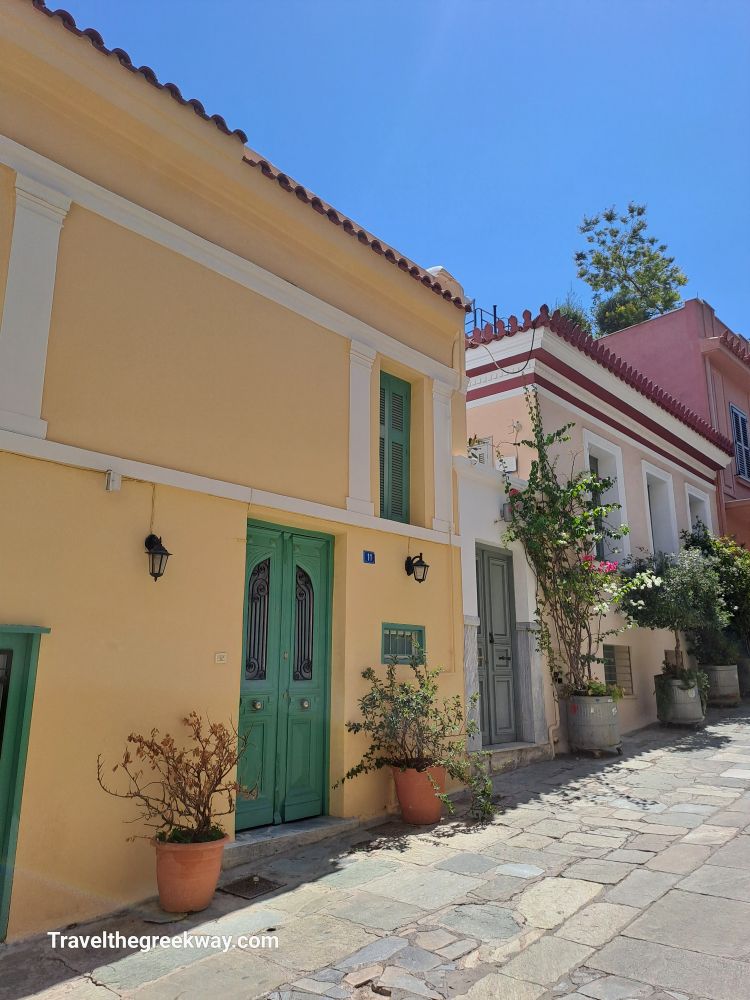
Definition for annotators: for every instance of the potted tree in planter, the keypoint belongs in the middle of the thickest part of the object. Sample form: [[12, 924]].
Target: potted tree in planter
[[181, 793], [421, 737], [559, 518], [685, 596], [719, 653]]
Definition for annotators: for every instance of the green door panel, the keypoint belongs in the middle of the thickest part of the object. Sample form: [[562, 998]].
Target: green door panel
[[286, 665], [19, 648], [259, 695]]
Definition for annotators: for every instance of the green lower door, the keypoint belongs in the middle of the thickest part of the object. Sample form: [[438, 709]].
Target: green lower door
[[19, 648], [284, 685]]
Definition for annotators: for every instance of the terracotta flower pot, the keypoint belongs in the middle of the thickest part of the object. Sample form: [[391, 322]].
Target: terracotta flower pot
[[416, 794], [187, 874]]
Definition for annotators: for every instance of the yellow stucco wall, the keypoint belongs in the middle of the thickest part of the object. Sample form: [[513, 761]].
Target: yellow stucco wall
[[155, 358], [123, 654], [59, 97], [126, 654]]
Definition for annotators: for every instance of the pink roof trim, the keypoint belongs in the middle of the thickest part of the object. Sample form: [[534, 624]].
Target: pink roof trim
[[570, 332]]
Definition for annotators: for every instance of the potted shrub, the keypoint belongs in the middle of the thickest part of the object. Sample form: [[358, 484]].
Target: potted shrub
[[721, 653], [421, 737], [560, 519], [181, 793], [717, 656], [685, 596]]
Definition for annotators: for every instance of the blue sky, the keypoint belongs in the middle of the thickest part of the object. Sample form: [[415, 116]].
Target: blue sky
[[476, 133]]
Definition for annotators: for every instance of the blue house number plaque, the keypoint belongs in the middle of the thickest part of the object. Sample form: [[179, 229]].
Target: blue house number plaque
[[367, 556]]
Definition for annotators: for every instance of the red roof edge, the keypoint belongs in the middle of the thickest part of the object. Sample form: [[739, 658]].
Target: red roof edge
[[736, 345], [595, 349], [352, 229], [68, 21]]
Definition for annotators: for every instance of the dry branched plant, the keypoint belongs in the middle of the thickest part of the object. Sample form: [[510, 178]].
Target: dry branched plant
[[182, 790]]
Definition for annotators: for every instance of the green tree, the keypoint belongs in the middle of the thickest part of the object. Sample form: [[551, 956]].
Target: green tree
[[682, 594], [732, 564], [617, 312], [621, 257]]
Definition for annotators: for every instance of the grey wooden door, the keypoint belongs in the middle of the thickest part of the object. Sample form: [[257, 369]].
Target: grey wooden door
[[495, 641]]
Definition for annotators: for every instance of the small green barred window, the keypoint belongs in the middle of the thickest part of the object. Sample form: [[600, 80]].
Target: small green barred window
[[401, 641]]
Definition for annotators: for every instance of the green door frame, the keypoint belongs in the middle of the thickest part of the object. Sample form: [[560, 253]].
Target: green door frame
[[24, 640], [328, 639]]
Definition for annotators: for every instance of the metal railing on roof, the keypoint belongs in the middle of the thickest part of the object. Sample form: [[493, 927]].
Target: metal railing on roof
[[479, 319]]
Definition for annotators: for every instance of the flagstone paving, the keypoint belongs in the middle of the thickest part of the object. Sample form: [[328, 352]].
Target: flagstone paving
[[604, 879]]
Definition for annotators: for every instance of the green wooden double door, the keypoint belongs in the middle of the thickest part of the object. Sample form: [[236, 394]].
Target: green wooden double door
[[285, 675]]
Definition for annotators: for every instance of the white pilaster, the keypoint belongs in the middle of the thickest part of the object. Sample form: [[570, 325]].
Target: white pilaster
[[24, 330], [442, 430], [361, 359]]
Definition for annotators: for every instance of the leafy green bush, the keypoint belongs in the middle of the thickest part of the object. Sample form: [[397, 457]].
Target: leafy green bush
[[710, 646], [732, 564], [684, 595], [410, 726]]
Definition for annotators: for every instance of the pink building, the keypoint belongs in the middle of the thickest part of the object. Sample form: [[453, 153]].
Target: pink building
[[700, 361]]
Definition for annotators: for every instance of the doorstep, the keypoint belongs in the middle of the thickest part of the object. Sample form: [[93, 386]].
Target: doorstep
[[250, 845], [509, 756]]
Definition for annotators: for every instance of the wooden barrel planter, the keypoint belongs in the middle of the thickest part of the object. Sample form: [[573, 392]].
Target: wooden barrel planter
[[724, 685]]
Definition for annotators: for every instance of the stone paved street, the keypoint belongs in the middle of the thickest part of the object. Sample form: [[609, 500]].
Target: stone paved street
[[602, 879]]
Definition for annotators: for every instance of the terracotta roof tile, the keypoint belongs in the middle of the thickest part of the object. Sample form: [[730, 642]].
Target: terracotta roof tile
[[68, 21], [282, 179], [597, 350], [352, 229]]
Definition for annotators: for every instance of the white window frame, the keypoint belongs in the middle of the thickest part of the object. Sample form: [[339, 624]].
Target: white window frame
[[733, 409], [616, 646], [593, 443], [656, 473], [693, 491]]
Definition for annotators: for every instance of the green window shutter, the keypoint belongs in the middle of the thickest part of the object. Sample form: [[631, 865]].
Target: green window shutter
[[382, 447], [395, 405]]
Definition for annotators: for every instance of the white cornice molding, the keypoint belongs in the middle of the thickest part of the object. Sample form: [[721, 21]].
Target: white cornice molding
[[159, 230], [362, 354], [41, 199], [598, 375], [95, 461], [440, 390], [702, 471]]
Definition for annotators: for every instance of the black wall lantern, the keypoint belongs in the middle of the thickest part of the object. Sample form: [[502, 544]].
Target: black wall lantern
[[417, 568], [157, 556]]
